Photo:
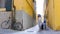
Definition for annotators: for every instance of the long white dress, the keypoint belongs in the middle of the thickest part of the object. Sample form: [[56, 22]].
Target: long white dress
[[39, 22]]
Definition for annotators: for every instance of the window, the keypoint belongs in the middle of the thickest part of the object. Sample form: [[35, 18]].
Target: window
[[8, 5]]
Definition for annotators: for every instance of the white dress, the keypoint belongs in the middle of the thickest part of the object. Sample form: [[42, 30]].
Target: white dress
[[39, 22]]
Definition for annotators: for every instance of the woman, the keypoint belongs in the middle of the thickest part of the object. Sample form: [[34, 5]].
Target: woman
[[40, 23]]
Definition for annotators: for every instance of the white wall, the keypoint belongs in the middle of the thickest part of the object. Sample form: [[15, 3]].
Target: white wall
[[4, 16], [2, 3], [27, 21]]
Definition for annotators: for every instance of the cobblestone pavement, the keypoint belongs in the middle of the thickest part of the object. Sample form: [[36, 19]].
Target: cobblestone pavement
[[33, 30]]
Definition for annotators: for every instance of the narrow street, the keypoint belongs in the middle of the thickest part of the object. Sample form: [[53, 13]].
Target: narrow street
[[21, 16], [33, 30]]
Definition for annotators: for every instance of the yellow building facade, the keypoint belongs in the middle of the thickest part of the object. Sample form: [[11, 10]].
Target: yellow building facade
[[26, 5], [53, 14]]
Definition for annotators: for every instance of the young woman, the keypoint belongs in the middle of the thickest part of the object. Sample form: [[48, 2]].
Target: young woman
[[40, 23]]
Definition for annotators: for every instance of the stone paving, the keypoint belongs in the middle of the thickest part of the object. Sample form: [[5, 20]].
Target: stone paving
[[33, 30]]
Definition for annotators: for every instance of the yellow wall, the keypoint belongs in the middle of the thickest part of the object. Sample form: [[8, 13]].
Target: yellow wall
[[23, 5], [54, 14], [51, 14], [57, 14]]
